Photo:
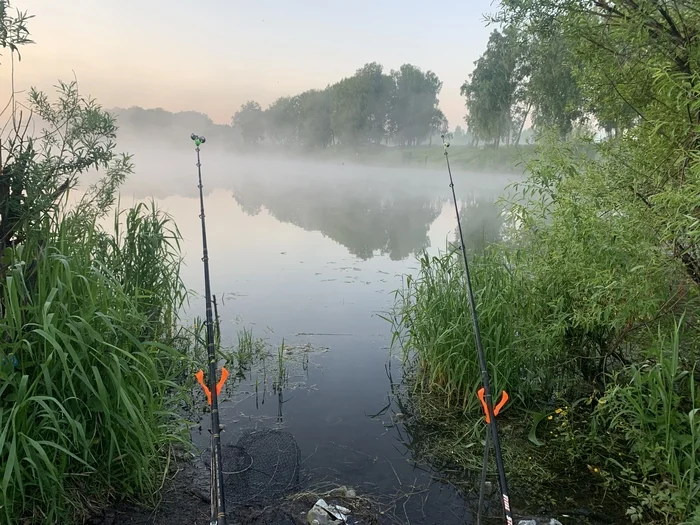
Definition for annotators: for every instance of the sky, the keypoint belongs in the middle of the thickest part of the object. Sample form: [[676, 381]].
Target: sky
[[211, 56]]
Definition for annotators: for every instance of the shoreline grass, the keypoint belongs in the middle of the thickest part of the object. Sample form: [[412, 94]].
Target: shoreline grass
[[90, 411], [638, 436]]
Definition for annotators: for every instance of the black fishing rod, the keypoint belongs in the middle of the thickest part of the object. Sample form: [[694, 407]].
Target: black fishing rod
[[484, 396], [218, 505]]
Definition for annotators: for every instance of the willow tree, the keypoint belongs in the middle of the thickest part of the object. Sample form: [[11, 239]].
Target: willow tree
[[491, 88]]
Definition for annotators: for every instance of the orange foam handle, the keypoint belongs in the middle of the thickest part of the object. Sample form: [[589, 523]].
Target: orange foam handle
[[220, 384], [497, 408], [200, 379]]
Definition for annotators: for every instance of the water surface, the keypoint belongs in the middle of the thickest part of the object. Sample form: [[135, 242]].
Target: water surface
[[310, 254]]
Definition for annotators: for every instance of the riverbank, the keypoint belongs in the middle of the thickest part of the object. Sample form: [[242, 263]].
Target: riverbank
[[505, 159], [483, 159], [585, 410]]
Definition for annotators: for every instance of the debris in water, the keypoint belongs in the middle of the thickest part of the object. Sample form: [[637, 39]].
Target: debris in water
[[312, 333], [324, 514]]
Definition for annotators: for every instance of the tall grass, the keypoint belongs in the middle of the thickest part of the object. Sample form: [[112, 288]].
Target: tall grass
[[433, 322], [652, 414], [88, 315]]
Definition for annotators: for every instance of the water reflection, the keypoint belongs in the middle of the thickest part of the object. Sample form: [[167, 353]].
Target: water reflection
[[367, 223], [368, 220], [482, 223]]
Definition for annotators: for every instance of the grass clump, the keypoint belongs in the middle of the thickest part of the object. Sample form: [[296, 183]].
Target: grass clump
[[88, 411], [433, 306], [90, 356]]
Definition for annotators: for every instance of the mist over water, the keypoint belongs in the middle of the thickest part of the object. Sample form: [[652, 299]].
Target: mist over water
[[310, 253]]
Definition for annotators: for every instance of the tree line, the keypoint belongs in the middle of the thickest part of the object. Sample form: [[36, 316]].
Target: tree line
[[370, 107], [529, 71]]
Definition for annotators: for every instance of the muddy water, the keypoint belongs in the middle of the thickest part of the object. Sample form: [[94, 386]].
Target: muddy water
[[310, 255]]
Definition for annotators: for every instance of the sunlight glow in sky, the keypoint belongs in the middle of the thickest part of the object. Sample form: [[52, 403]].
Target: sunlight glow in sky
[[211, 56]]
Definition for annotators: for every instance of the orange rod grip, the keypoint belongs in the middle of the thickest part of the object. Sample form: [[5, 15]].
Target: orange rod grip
[[497, 408], [220, 384], [200, 379]]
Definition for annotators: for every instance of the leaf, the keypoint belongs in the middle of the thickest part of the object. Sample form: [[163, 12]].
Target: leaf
[[532, 435]]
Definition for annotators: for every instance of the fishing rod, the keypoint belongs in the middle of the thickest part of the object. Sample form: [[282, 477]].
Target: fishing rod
[[485, 392], [218, 505]]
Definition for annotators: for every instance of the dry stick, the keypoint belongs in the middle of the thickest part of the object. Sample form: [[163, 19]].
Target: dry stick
[[395, 474]]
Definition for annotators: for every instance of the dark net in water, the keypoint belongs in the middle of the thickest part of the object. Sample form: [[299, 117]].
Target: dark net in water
[[261, 467]]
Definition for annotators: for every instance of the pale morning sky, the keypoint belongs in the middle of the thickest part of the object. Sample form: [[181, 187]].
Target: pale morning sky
[[213, 55]]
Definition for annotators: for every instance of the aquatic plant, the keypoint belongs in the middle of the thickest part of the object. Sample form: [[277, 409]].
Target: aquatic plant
[[433, 323]]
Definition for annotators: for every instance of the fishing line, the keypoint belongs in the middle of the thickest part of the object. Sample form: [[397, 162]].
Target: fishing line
[[485, 391], [218, 505]]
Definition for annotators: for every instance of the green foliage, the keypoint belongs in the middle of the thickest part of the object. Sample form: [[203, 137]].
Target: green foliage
[[13, 28], [361, 105], [86, 411], [76, 136], [491, 88], [597, 271], [315, 114], [550, 86], [433, 323], [605, 237], [651, 415], [250, 121], [281, 120], [414, 114]]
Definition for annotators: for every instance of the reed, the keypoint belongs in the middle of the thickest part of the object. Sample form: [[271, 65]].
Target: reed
[[433, 323], [89, 317]]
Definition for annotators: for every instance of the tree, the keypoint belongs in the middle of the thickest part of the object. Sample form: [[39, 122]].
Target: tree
[[360, 106], [250, 120], [282, 120], [636, 71], [439, 125], [414, 115], [315, 109], [552, 88], [490, 90]]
